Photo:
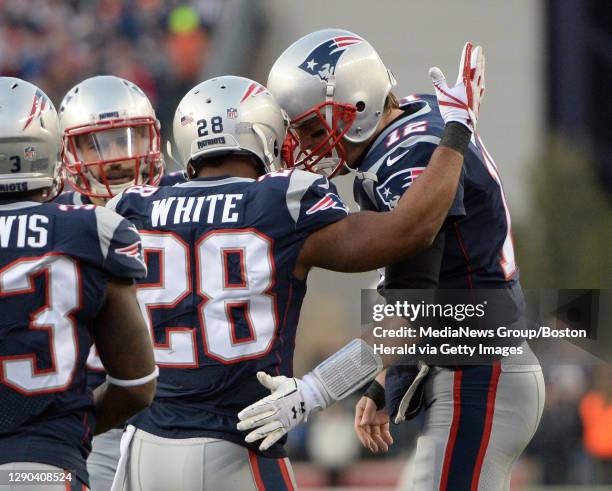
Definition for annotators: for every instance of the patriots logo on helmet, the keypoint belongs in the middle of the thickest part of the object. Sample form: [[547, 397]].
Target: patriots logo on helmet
[[321, 61], [252, 90], [38, 105]]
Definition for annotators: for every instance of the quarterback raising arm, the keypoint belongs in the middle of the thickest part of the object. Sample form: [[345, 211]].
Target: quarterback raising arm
[[414, 222]]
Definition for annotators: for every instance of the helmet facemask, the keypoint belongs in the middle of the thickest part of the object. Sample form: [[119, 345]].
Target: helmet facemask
[[327, 156], [105, 158]]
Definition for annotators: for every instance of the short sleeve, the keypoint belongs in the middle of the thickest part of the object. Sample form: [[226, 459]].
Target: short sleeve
[[313, 202], [120, 245], [400, 169]]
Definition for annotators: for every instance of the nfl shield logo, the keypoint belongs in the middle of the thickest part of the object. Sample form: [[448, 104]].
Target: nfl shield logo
[[232, 113], [29, 152]]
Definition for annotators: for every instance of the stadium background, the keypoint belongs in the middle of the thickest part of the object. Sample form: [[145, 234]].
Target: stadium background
[[546, 119]]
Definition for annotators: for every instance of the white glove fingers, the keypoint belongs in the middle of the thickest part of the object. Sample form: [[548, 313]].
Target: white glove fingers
[[263, 431], [268, 381], [478, 80], [257, 420], [265, 404], [482, 79], [271, 439], [462, 62], [437, 77], [468, 74]]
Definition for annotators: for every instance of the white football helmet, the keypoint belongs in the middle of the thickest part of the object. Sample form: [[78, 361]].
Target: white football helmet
[[110, 137], [29, 139], [336, 76], [227, 115]]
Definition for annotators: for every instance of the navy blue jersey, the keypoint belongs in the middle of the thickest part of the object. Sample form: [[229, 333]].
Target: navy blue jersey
[[172, 178], [76, 198], [72, 198], [53, 268], [221, 297], [97, 374], [479, 251]]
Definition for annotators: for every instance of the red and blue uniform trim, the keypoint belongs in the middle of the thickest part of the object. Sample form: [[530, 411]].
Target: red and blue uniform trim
[[474, 392]]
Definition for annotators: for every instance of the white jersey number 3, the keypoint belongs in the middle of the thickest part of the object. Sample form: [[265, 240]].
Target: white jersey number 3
[[21, 372]]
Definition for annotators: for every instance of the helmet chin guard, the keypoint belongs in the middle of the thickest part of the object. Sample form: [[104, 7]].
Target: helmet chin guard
[[328, 156], [142, 162]]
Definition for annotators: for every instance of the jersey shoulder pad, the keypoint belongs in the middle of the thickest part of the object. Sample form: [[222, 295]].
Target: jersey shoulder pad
[[72, 198], [310, 199], [120, 245], [130, 197], [313, 201]]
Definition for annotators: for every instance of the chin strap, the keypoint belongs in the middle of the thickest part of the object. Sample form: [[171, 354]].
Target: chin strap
[[371, 176], [172, 157], [330, 88], [262, 137]]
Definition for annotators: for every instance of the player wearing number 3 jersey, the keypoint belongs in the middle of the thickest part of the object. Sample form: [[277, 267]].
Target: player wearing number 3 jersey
[[66, 280], [228, 254]]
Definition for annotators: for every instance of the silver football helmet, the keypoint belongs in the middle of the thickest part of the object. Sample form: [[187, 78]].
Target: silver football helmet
[[110, 137], [336, 76], [29, 139], [230, 115]]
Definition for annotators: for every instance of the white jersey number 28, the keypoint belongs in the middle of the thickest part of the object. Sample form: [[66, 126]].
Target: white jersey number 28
[[219, 298]]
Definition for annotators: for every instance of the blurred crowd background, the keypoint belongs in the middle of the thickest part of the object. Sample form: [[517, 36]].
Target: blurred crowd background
[[546, 117]]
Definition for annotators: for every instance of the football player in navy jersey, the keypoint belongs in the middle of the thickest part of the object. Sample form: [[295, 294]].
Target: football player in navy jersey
[[345, 118], [66, 279], [111, 141], [228, 253]]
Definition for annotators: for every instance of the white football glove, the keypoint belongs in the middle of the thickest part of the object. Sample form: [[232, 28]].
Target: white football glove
[[291, 402], [461, 102]]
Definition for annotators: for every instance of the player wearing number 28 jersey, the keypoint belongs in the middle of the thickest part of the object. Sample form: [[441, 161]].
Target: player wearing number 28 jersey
[[228, 253]]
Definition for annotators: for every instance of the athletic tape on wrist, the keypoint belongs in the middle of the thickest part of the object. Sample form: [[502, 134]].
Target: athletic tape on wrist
[[376, 392], [456, 136], [348, 369], [134, 382]]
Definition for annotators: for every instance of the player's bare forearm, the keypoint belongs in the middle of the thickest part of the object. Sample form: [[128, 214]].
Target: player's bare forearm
[[114, 405], [124, 346], [368, 240], [121, 335]]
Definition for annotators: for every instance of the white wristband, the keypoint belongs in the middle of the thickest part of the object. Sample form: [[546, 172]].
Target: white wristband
[[134, 382]]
